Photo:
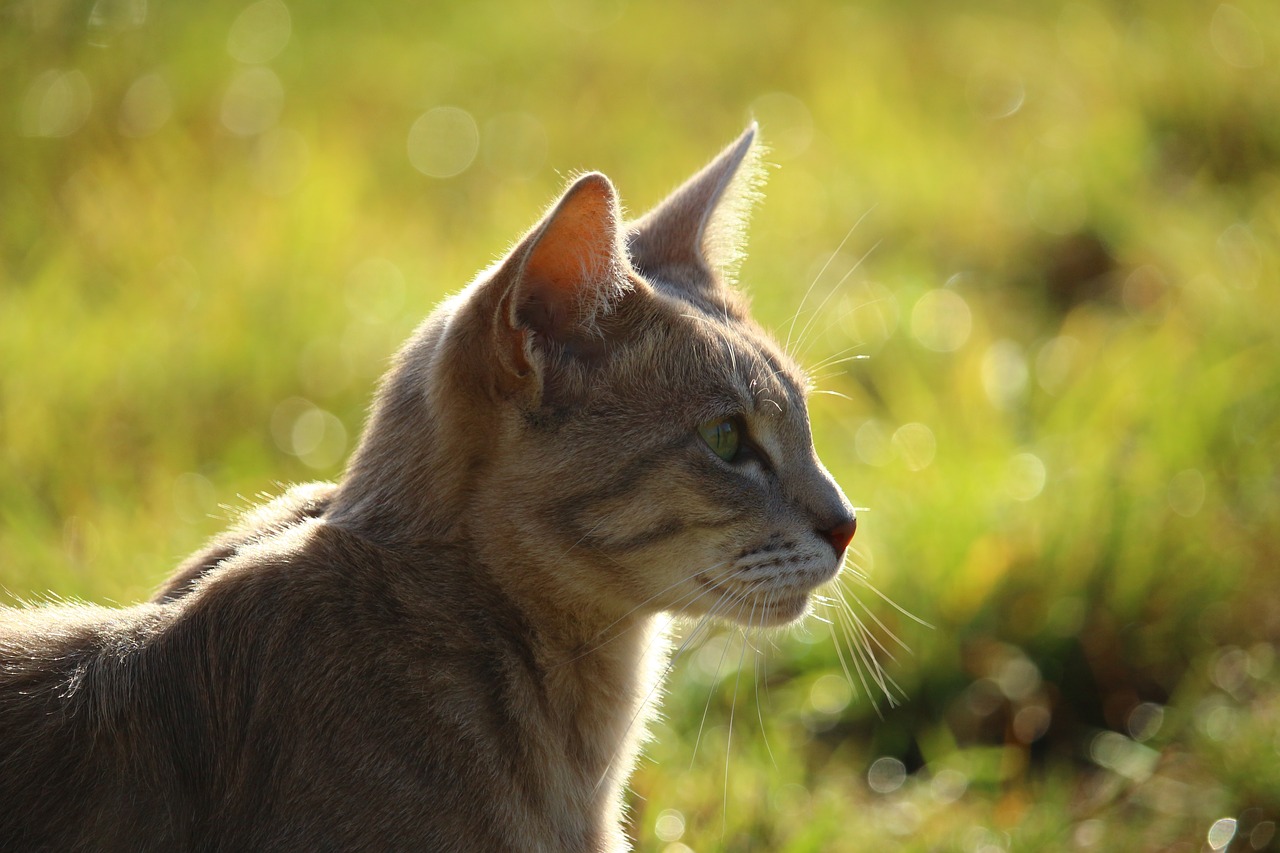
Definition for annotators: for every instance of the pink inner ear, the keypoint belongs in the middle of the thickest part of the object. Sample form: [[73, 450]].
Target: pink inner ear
[[573, 267]]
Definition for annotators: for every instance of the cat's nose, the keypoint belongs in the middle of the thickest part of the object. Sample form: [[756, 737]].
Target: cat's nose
[[841, 535]]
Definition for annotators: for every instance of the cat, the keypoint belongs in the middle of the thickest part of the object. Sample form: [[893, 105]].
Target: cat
[[456, 647]]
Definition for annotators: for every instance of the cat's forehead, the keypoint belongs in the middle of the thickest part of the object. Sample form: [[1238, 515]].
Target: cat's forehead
[[769, 376], [746, 363]]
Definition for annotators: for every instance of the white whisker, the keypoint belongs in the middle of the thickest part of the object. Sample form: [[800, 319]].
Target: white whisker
[[711, 692], [866, 653], [870, 613], [839, 358], [755, 677], [907, 613], [701, 592], [657, 685], [844, 664], [728, 743], [833, 291], [786, 347]]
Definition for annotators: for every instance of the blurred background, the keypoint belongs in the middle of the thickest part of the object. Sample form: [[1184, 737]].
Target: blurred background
[[218, 220]]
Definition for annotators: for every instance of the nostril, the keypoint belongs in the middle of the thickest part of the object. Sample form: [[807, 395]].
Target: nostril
[[841, 535]]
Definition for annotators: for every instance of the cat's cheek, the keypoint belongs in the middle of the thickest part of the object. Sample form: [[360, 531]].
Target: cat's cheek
[[693, 582]]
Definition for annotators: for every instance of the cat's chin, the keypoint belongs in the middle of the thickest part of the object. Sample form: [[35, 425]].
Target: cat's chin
[[776, 611]]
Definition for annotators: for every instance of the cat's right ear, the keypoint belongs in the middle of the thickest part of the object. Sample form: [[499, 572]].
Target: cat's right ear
[[569, 273]]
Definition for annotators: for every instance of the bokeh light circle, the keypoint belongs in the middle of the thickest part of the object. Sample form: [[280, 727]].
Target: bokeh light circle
[[253, 102], [886, 775], [260, 32], [941, 320], [443, 142], [1026, 477], [916, 445]]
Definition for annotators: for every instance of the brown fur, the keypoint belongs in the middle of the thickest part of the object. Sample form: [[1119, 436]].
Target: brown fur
[[452, 648]]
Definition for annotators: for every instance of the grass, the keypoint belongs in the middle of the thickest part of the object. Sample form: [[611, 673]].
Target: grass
[[201, 279]]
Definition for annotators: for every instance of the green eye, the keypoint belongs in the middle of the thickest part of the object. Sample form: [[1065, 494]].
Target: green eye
[[723, 436]]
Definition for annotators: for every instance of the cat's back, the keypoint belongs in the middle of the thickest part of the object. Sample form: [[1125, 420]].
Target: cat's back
[[74, 711], [315, 691], [365, 680]]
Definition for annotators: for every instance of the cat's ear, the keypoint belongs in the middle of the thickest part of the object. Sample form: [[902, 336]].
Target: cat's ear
[[571, 272], [701, 227]]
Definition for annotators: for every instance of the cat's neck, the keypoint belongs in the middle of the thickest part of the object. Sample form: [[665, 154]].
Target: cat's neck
[[601, 691], [424, 478], [405, 484], [585, 697], [601, 660]]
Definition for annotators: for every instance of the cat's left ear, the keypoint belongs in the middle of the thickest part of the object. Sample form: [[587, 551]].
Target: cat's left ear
[[572, 271], [697, 234]]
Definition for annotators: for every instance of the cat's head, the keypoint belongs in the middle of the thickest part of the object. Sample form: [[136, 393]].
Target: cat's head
[[606, 416]]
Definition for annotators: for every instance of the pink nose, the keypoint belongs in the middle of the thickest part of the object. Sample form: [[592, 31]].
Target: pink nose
[[841, 535]]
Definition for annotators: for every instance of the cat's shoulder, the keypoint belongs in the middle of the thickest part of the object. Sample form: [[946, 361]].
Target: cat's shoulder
[[297, 504], [286, 560]]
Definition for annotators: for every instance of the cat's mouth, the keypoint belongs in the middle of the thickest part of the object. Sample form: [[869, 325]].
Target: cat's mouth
[[768, 602], [762, 587]]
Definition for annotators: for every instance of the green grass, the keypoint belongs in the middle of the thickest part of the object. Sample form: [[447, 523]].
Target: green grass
[[1078, 489]]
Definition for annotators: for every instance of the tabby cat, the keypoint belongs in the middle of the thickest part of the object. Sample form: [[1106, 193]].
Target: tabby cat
[[455, 648]]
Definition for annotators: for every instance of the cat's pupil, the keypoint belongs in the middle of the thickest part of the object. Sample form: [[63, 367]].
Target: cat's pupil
[[722, 436]]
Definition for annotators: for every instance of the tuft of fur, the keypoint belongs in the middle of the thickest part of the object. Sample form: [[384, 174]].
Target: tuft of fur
[[724, 234], [455, 647]]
